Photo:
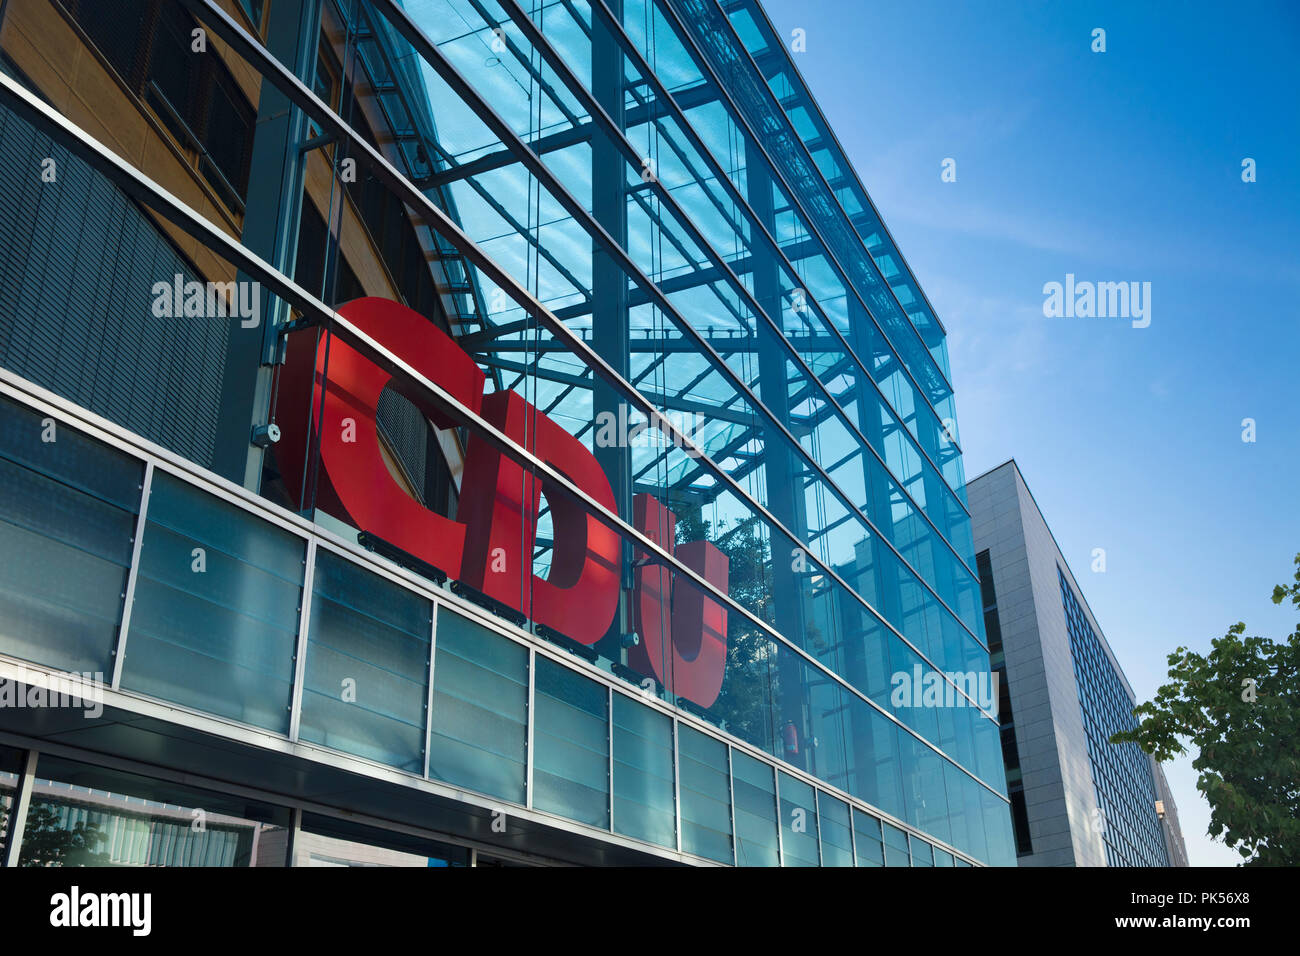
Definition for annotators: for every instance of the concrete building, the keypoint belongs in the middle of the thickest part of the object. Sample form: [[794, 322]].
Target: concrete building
[[1076, 799]]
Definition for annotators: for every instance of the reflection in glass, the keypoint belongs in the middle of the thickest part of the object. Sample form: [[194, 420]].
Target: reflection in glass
[[706, 795], [67, 520], [215, 620], [81, 815], [367, 675], [643, 773], [478, 731], [571, 737]]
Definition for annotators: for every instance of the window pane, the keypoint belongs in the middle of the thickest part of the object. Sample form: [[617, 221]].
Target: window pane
[[643, 773], [571, 735], [479, 725], [215, 621], [866, 837], [942, 857], [367, 675], [836, 831], [922, 853], [254, 10], [706, 795], [68, 510], [896, 849], [756, 836], [798, 822], [82, 815], [91, 259]]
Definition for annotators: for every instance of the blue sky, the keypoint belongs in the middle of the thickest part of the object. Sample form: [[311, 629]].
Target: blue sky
[[1123, 165]]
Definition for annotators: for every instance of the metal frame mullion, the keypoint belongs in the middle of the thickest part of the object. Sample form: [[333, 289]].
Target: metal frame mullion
[[526, 62], [706, 67], [817, 809], [845, 164], [731, 789], [609, 711], [428, 703], [300, 645], [655, 216], [132, 574], [677, 783], [539, 41], [853, 837], [18, 809], [531, 751], [662, 93], [780, 836], [830, 191], [521, 230], [712, 79]]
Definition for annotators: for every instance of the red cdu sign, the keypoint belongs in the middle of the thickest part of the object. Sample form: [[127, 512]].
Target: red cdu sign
[[489, 545], [684, 634]]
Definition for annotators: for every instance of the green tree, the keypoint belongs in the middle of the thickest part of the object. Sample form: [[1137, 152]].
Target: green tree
[[1237, 707], [47, 842], [750, 682]]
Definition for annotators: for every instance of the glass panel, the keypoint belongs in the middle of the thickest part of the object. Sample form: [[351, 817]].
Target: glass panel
[[866, 838], [571, 739], [479, 727], [897, 852], [798, 822], [755, 790], [922, 853], [254, 10], [68, 508], [78, 314], [967, 807], [836, 831], [997, 830], [643, 773], [942, 857], [82, 815], [217, 600], [366, 682], [706, 795], [327, 841]]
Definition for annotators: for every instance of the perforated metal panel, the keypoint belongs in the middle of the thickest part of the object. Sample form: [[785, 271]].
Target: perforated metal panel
[[78, 261]]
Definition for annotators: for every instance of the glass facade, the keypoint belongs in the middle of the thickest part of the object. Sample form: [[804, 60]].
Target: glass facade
[[630, 505], [1121, 775]]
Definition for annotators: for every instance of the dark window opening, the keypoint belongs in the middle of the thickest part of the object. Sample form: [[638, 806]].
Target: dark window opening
[[1020, 821], [149, 44]]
